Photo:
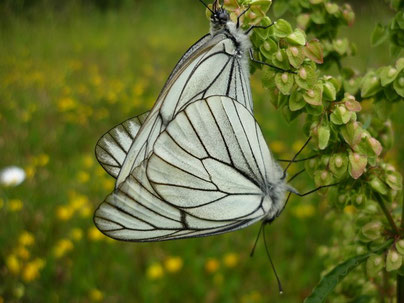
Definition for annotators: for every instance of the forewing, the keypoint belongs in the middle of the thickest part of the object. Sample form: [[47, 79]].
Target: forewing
[[112, 148], [212, 68]]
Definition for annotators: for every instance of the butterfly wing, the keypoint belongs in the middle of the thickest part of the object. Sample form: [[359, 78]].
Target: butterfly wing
[[212, 68], [206, 176], [112, 148]]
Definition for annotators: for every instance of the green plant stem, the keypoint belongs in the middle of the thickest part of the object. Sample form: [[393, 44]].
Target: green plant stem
[[387, 214], [400, 278]]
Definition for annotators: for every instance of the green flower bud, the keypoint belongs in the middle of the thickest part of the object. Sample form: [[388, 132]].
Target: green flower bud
[[314, 51], [394, 260], [372, 230], [374, 265], [339, 165], [357, 164]]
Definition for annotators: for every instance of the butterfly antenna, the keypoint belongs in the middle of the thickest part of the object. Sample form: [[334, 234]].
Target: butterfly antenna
[[295, 156], [256, 240], [239, 16], [295, 175], [205, 5], [272, 264]]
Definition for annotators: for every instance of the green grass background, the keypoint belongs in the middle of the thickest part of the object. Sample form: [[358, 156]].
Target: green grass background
[[69, 74]]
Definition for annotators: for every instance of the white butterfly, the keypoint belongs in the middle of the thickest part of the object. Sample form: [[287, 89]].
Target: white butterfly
[[215, 65], [210, 172]]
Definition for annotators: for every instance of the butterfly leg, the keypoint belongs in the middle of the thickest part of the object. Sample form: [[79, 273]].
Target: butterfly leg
[[270, 65], [259, 26], [296, 161]]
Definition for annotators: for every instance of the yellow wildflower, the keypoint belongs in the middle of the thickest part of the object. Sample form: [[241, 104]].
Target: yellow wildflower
[[78, 201], [22, 252], [30, 171], [86, 211], [15, 205], [64, 213], [173, 264], [212, 265], [83, 176], [1, 300], [230, 260], [277, 146], [26, 239], [108, 184], [155, 271], [76, 234], [94, 234], [62, 247], [13, 264], [31, 270], [304, 210], [42, 159], [96, 295], [66, 104], [88, 161]]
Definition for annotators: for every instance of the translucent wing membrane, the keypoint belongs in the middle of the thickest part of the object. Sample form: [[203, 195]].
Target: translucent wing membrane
[[215, 68], [112, 148], [207, 175]]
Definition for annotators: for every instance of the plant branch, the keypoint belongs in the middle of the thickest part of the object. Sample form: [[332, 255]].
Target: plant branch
[[387, 214]]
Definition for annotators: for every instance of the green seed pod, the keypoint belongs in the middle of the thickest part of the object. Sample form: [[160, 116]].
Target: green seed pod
[[387, 75], [372, 230], [359, 200], [298, 37], [399, 84], [329, 91], [341, 115], [357, 164], [296, 101], [400, 247], [295, 55], [394, 260], [342, 201], [370, 85], [284, 82], [374, 265], [378, 185], [282, 28], [313, 96], [322, 177], [394, 180], [323, 136], [339, 165]]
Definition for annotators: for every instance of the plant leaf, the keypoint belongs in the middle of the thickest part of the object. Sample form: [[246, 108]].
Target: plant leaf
[[330, 280]]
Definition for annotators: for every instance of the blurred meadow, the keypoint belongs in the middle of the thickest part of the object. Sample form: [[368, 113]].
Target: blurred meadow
[[68, 73]]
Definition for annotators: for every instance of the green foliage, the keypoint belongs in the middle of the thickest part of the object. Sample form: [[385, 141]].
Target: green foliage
[[346, 115]]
